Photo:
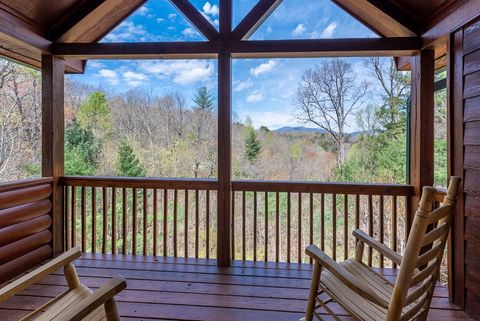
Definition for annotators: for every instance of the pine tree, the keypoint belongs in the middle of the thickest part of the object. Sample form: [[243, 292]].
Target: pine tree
[[128, 163], [203, 99], [82, 150], [252, 144]]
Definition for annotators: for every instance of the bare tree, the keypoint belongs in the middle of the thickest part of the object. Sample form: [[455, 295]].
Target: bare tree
[[326, 96]]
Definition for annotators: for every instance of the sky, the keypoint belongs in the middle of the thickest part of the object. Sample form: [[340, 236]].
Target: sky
[[263, 89]]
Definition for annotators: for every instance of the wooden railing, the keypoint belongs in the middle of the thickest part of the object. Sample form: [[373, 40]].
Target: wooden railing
[[25, 225], [275, 221], [169, 217], [271, 221]]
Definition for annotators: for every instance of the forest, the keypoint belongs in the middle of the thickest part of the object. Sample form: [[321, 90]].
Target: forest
[[138, 133]]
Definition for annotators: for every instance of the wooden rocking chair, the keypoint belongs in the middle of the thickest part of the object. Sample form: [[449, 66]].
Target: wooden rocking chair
[[365, 294], [78, 302]]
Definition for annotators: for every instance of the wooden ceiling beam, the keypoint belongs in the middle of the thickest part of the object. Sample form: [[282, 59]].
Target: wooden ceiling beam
[[197, 20], [99, 22], [384, 18], [242, 49], [254, 19]]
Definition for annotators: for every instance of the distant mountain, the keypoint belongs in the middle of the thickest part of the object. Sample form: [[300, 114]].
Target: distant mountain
[[307, 130], [300, 129]]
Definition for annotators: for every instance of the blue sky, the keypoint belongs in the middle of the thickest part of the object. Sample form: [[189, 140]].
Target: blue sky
[[263, 89]]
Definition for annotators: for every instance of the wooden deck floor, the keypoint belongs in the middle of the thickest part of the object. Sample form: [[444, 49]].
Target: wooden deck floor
[[188, 289]]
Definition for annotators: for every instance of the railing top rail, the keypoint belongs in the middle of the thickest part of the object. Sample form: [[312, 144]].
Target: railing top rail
[[140, 182], [24, 183], [240, 185], [323, 187]]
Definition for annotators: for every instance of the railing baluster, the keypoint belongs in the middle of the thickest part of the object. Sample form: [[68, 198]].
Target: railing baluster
[[382, 227], [311, 222], [370, 227], [322, 222], [277, 226], [357, 211], [299, 241], [124, 221], [114, 220], [197, 213], [94, 220], [255, 226], [288, 225], [334, 226], [84, 219], [155, 222], [74, 216], [207, 209], [175, 217], [394, 227], [186, 223], [345, 226], [244, 232], [266, 226], [134, 221], [233, 224], [67, 217], [104, 227], [145, 221], [165, 222]]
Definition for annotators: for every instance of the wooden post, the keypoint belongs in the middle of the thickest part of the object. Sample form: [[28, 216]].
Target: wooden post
[[53, 140], [421, 125], [224, 139]]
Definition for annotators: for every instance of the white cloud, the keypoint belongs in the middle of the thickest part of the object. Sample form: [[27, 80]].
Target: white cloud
[[172, 16], [95, 64], [182, 72], [134, 79], [189, 33], [110, 75], [299, 30], [160, 20], [254, 97], [126, 31], [211, 10], [272, 120], [328, 31], [242, 85], [263, 68], [143, 10]]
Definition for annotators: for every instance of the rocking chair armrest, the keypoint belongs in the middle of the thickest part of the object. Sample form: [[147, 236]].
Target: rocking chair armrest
[[39, 273], [82, 309], [380, 247], [344, 276]]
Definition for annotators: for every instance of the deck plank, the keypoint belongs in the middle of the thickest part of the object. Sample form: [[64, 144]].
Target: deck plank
[[196, 289]]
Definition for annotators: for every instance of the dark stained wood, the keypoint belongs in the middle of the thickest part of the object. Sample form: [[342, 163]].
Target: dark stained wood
[[196, 19], [24, 263], [255, 223], [322, 187], [242, 49], [421, 124], [139, 182], [114, 221], [224, 143], [25, 229], [456, 162], [383, 17], [25, 183], [53, 70], [20, 197], [94, 220], [254, 19], [109, 12], [24, 212], [472, 108], [23, 246], [197, 289]]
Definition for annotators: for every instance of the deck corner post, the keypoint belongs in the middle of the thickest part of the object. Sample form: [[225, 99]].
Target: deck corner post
[[53, 69], [421, 125]]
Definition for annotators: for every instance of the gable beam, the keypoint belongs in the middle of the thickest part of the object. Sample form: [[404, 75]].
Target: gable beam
[[99, 22], [382, 17], [254, 19], [196, 19]]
